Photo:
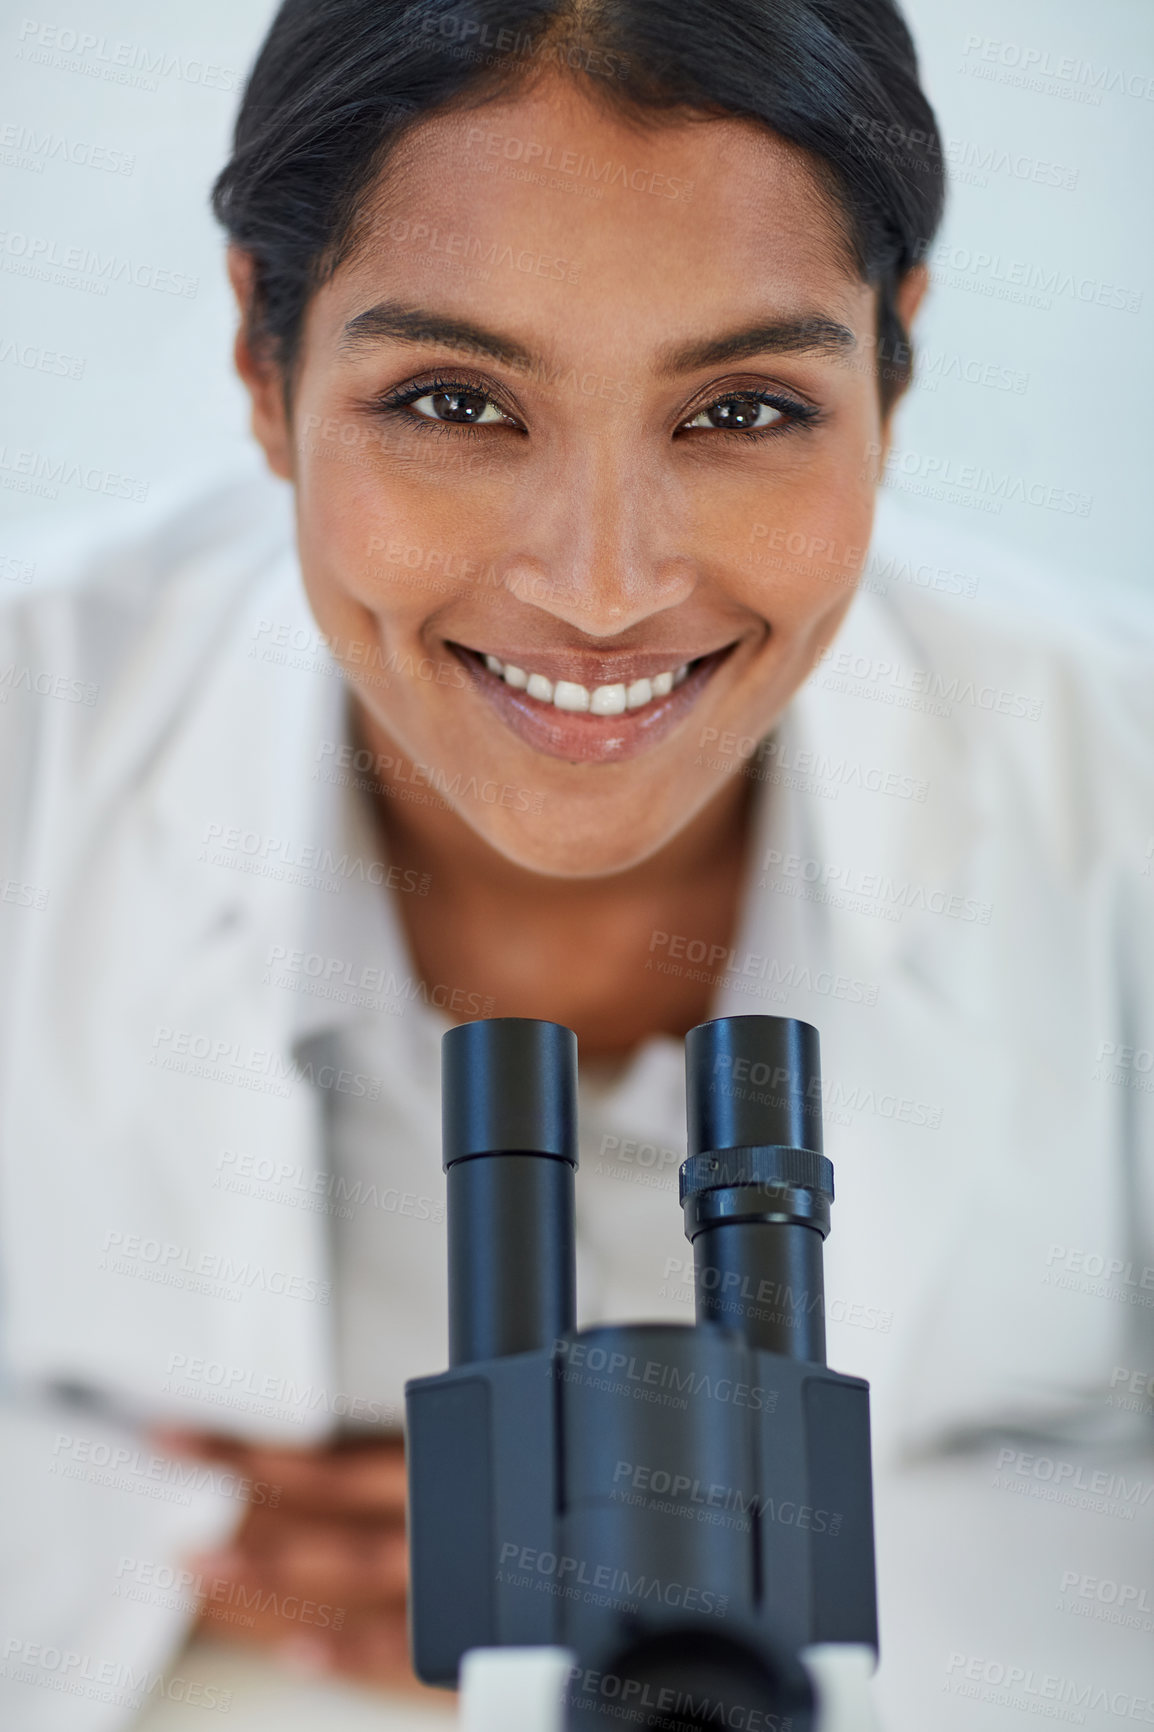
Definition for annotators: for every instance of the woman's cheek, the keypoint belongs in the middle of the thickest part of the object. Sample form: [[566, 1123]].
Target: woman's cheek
[[363, 541], [799, 551]]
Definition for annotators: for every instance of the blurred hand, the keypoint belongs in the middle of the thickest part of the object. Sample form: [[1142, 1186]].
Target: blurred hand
[[318, 1570]]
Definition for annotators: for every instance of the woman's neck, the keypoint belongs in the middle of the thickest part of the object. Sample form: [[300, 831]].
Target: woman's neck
[[592, 953]]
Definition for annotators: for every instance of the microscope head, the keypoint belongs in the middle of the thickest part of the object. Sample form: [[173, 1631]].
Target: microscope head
[[684, 1508]]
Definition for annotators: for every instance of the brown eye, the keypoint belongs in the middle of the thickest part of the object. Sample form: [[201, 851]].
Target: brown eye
[[469, 408], [737, 415]]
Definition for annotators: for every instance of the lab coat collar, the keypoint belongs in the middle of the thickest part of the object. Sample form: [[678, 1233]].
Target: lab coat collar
[[262, 763]]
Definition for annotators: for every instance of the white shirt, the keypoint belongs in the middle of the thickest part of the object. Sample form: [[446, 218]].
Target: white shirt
[[951, 881]]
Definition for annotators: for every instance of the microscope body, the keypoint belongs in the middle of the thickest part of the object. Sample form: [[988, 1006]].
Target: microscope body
[[685, 1510]]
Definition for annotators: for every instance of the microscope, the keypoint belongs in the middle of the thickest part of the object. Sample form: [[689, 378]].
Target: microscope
[[653, 1525]]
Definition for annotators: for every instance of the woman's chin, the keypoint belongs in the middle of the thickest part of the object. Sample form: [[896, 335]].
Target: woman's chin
[[554, 845]]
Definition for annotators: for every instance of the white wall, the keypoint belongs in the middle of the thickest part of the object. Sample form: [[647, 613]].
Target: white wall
[[147, 394]]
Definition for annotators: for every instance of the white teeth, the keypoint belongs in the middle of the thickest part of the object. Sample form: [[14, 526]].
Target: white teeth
[[608, 701], [568, 695], [601, 701]]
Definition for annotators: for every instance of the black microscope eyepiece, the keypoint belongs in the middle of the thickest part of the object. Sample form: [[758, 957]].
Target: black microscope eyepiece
[[509, 1086], [753, 1080], [753, 1106], [509, 1149], [756, 1188]]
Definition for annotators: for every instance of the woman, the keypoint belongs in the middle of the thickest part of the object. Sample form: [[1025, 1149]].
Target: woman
[[573, 329]]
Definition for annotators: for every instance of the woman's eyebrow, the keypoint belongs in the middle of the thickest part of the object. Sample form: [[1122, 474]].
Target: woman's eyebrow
[[808, 334], [390, 321]]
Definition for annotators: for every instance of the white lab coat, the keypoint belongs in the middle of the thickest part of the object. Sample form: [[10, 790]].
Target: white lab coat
[[953, 883]]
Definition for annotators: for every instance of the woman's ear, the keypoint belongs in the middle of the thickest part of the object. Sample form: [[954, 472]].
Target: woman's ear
[[262, 378], [907, 300], [911, 289]]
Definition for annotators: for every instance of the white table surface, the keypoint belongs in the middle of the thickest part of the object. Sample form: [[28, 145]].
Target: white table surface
[[267, 1697], [971, 1564]]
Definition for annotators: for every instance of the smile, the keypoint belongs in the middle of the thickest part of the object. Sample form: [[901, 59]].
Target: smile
[[569, 695], [595, 720]]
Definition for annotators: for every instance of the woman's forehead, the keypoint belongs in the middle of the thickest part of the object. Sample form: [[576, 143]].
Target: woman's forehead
[[548, 204]]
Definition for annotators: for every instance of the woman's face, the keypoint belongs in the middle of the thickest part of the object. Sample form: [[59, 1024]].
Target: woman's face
[[590, 408]]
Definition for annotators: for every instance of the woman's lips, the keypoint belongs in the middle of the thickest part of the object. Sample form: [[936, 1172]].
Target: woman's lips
[[578, 736]]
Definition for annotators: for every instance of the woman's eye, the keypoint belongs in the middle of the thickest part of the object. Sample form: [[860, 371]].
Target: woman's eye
[[737, 415], [471, 408]]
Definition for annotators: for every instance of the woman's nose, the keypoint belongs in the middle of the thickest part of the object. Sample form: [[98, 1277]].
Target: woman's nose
[[601, 544]]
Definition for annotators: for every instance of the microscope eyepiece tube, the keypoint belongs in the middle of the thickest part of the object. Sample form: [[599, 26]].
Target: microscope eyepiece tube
[[509, 1137], [756, 1187], [753, 1080]]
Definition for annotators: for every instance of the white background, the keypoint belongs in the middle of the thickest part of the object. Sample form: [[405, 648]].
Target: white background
[[155, 399]]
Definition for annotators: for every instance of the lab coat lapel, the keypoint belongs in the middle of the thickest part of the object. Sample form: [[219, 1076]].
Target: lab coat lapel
[[160, 1284], [947, 1149], [872, 820]]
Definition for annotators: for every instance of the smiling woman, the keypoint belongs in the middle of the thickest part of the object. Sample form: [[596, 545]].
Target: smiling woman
[[587, 293], [584, 690]]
